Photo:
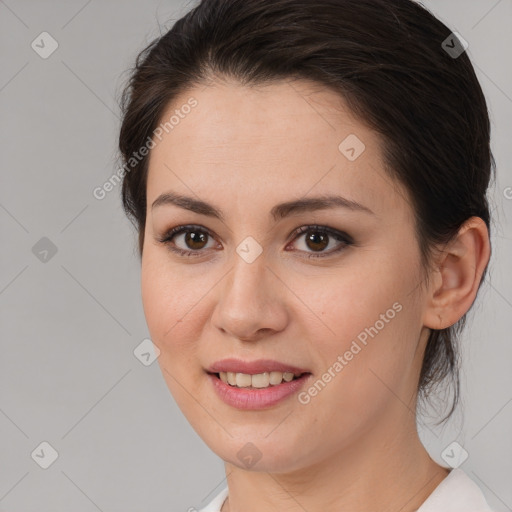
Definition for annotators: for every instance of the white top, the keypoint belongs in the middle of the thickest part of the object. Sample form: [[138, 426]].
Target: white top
[[456, 493]]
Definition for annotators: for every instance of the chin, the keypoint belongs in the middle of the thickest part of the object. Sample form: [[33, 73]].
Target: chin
[[256, 453]]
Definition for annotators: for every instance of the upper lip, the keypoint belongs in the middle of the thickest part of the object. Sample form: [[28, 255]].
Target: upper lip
[[253, 367]]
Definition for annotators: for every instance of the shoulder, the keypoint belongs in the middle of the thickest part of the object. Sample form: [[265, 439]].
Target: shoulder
[[456, 493]]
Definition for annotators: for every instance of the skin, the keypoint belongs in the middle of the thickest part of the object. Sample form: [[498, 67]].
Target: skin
[[355, 445]]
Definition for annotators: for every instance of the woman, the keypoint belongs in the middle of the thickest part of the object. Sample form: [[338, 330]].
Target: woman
[[310, 196]]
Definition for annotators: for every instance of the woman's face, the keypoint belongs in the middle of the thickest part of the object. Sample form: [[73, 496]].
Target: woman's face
[[345, 306]]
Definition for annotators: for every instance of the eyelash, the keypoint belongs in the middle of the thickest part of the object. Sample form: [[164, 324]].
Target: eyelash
[[337, 235]]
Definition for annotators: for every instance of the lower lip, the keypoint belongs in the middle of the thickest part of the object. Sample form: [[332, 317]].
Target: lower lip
[[247, 399]]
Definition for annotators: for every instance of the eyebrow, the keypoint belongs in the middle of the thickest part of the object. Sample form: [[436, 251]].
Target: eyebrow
[[278, 212]]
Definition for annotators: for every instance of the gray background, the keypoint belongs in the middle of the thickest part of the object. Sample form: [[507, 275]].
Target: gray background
[[69, 324]]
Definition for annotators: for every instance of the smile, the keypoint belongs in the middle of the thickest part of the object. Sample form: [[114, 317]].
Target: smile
[[256, 391], [258, 381]]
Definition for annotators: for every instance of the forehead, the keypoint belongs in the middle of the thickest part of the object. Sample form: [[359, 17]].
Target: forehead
[[268, 143]]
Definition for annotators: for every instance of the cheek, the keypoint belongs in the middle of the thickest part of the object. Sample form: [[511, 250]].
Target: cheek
[[159, 299], [351, 301], [168, 295], [370, 346], [169, 307], [172, 318]]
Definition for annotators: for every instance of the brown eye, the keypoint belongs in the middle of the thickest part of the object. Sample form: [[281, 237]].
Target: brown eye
[[195, 239], [318, 238], [187, 240]]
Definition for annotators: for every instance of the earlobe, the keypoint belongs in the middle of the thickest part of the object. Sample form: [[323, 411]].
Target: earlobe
[[459, 271]]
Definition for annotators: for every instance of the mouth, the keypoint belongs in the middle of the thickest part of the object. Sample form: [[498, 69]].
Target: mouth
[[257, 381], [257, 384], [257, 391]]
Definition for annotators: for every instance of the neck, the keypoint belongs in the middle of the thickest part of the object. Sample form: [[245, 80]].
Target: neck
[[386, 469]]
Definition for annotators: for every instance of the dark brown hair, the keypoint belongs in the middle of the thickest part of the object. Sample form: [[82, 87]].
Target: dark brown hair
[[389, 60]]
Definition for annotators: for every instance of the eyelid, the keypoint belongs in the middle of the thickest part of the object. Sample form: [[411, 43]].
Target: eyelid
[[178, 230], [342, 237], [336, 233]]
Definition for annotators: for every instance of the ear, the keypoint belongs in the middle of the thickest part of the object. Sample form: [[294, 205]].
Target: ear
[[458, 274]]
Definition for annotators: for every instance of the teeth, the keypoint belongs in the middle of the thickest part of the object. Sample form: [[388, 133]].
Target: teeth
[[260, 380], [243, 380], [275, 378]]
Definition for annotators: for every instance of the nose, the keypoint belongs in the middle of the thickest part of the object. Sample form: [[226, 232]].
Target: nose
[[251, 302]]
